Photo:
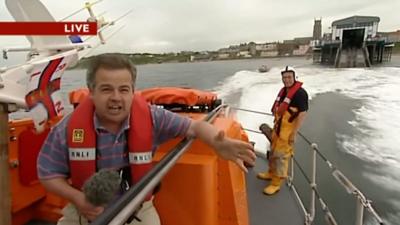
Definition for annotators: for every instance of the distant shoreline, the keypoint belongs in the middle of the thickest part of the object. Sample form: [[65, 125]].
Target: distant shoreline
[[84, 62]]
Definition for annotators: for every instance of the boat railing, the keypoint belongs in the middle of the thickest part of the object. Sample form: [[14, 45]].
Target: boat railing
[[125, 207], [361, 200]]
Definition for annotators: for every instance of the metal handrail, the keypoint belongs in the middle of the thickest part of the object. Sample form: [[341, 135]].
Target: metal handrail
[[315, 193], [347, 185], [362, 201], [119, 212]]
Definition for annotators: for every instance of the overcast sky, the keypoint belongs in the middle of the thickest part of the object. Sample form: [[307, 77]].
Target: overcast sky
[[173, 25]]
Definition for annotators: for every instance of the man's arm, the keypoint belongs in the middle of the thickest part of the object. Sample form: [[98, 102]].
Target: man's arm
[[228, 148], [53, 169], [301, 99], [170, 125], [296, 126]]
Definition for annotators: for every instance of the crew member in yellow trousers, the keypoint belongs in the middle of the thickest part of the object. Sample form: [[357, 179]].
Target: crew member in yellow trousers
[[289, 110]]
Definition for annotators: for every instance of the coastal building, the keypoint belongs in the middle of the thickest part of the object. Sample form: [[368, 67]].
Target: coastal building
[[327, 36], [253, 48], [317, 31], [353, 43], [391, 36], [267, 49], [301, 50], [364, 27], [201, 56], [269, 53], [297, 46], [302, 40], [230, 52], [244, 54], [223, 55]]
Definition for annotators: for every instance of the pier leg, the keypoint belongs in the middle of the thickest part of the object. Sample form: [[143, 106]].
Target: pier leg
[[5, 194]]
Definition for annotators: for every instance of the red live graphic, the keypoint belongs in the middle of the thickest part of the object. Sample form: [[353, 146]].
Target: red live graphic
[[48, 28]]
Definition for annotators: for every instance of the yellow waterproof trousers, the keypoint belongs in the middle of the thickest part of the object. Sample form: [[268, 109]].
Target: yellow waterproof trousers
[[281, 150]]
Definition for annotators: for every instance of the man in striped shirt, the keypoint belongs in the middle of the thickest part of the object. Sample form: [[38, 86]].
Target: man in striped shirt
[[111, 81]]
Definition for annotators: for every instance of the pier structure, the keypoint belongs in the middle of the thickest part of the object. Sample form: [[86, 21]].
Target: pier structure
[[353, 42]]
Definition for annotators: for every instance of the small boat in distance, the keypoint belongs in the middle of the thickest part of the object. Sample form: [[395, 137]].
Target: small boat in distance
[[263, 69]]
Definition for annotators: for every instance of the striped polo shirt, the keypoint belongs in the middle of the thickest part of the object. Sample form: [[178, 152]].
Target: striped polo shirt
[[53, 159]]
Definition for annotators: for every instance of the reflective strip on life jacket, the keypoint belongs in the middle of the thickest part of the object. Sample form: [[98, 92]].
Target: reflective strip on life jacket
[[287, 100], [140, 158], [82, 154]]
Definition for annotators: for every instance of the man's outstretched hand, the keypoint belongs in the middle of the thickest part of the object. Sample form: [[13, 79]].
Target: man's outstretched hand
[[227, 148], [234, 150]]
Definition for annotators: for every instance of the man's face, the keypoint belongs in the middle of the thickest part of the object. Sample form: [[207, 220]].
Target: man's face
[[112, 95], [288, 78]]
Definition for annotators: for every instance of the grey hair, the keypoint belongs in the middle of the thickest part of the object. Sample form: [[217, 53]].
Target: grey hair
[[110, 61]]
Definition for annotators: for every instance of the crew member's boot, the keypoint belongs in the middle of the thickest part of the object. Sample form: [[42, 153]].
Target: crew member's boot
[[264, 175], [274, 186]]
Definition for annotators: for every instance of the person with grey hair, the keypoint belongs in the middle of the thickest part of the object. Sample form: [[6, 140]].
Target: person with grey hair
[[115, 129]]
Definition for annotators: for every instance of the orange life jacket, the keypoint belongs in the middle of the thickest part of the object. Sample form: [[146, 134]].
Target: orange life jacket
[[280, 107], [81, 141]]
